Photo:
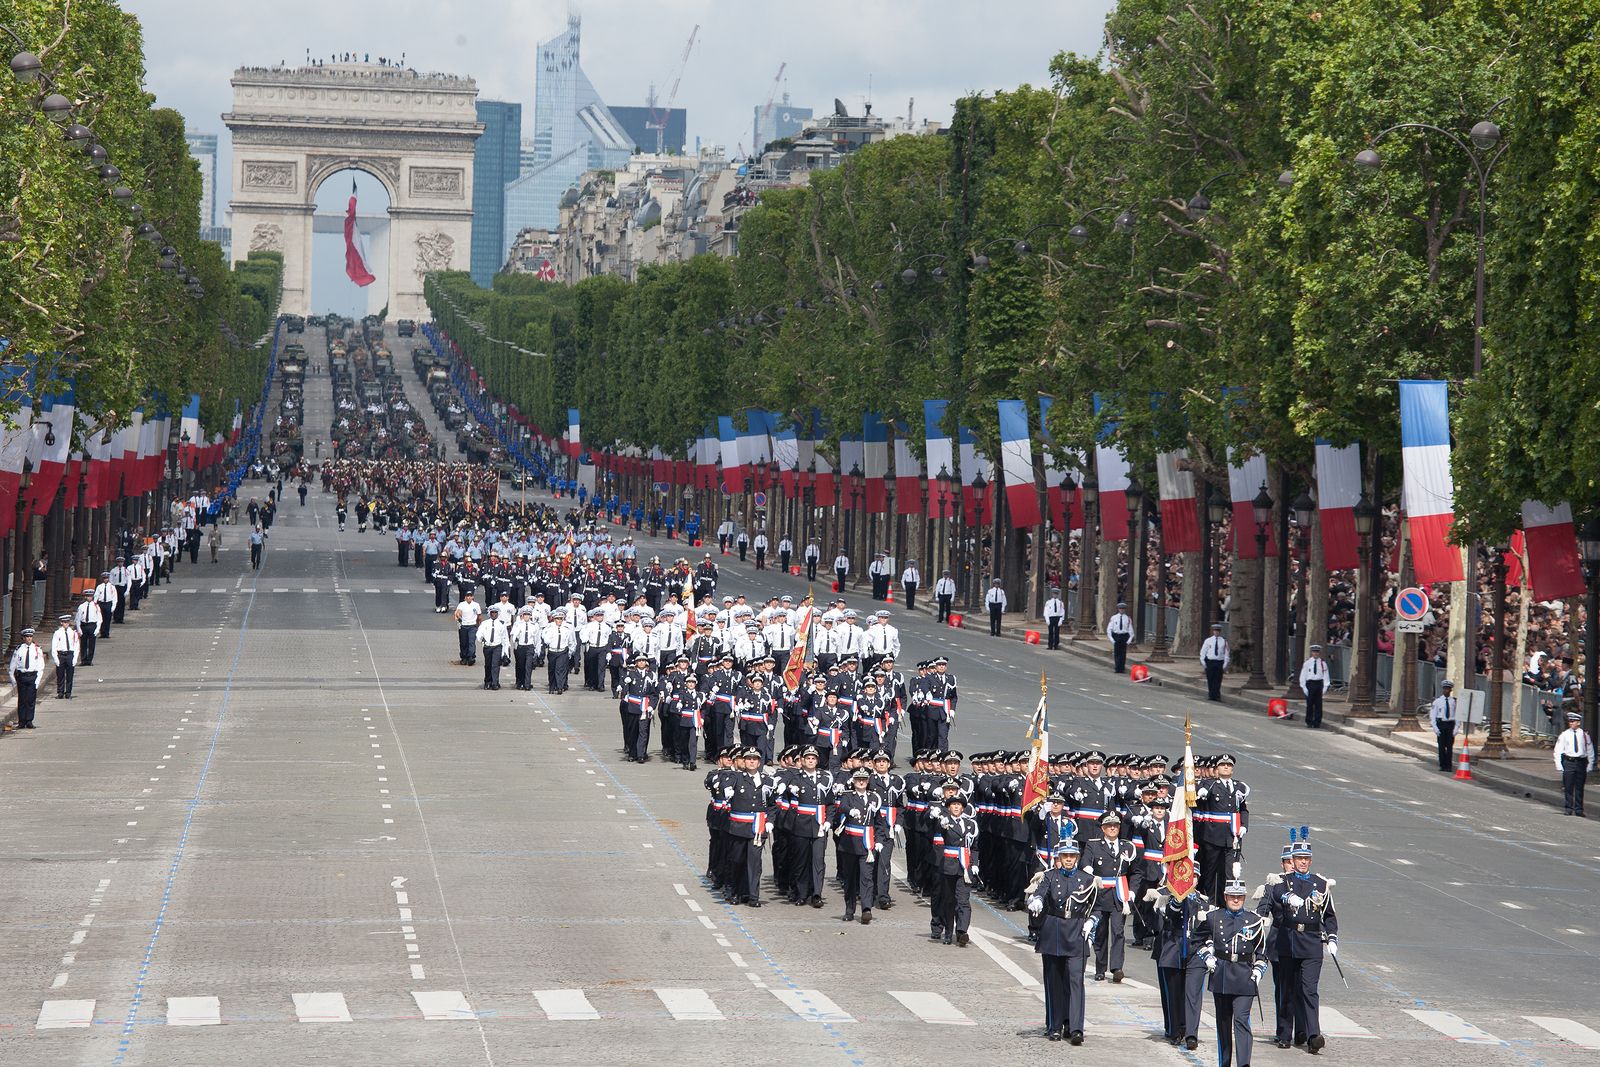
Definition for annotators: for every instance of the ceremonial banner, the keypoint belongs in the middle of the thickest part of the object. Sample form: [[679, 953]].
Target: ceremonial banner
[[1178, 852], [802, 644], [1429, 493], [1036, 783], [1245, 480], [355, 246], [907, 475], [1338, 493], [1016, 462]]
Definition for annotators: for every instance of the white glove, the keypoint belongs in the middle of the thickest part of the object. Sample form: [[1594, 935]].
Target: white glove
[[899, 835], [1294, 900], [1151, 895], [1333, 948], [1242, 831], [1211, 965], [1256, 972], [728, 792], [616, 691], [973, 871], [1035, 905], [1127, 909], [1090, 927]]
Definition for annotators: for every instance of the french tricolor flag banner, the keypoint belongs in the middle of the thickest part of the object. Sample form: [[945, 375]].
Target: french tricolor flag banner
[[825, 496], [1180, 518], [190, 427], [1055, 479], [732, 467], [973, 463], [875, 461], [574, 437], [1111, 470], [1554, 569], [1338, 493], [705, 459], [14, 442], [907, 475], [1429, 491], [52, 445], [1245, 480], [786, 450], [754, 446], [941, 456], [849, 464], [1016, 463]]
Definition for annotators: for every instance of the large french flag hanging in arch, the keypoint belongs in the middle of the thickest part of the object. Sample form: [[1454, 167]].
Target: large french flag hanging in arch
[[355, 246], [1429, 490]]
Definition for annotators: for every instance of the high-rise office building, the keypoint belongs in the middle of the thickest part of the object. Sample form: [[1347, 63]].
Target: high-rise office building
[[203, 147], [639, 123], [496, 163], [782, 120], [573, 131]]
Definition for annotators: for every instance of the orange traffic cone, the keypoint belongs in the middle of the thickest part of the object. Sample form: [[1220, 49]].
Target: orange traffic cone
[[1464, 764], [889, 599]]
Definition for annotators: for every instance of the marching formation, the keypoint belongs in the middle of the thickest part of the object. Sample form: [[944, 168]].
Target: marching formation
[[802, 712]]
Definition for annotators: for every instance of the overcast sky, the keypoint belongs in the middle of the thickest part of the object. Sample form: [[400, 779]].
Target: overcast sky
[[933, 50]]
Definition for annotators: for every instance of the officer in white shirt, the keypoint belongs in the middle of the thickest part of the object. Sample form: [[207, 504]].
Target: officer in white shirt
[[813, 557], [785, 552], [910, 579], [944, 592], [879, 572], [841, 569], [1120, 631], [995, 601], [882, 641], [593, 635], [1574, 758], [724, 535], [1314, 679], [86, 619], [64, 650], [560, 642], [526, 643], [779, 635], [468, 614], [760, 545], [1214, 657], [106, 598], [495, 637], [27, 664], [1442, 714], [1055, 612]]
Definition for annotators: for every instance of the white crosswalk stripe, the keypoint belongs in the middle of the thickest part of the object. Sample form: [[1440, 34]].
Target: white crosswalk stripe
[[689, 1005], [1337, 1024], [65, 1014], [931, 1008], [1454, 1026], [194, 1011], [565, 1005], [1567, 1030], [321, 1008], [443, 1005], [812, 1005]]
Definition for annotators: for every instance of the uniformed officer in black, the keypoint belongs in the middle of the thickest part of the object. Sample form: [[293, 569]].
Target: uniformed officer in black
[[1303, 919], [1235, 956], [1179, 971], [1064, 903], [1112, 861]]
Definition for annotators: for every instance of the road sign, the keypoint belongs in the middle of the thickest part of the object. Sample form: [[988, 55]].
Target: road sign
[[661, 487], [1411, 604], [1408, 626], [761, 500]]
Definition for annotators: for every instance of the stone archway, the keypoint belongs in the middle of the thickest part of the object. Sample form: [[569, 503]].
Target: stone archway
[[293, 127]]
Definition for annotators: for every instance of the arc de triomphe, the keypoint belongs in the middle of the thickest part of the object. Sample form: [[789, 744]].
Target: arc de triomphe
[[293, 127]]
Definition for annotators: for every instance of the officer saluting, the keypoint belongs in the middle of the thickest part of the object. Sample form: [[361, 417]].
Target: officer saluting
[[1574, 757], [1235, 955], [1120, 631], [1214, 657], [1314, 678], [1064, 903]]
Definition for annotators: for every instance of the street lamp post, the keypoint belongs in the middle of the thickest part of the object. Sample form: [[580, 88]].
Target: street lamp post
[[1362, 686], [1305, 510], [1158, 649], [980, 485], [1135, 588], [21, 579], [1261, 511], [1086, 552], [1589, 547], [854, 479], [944, 479], [1494, 745]]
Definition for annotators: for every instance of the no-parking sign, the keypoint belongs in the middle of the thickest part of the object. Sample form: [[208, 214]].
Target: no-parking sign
[[1411, 604]]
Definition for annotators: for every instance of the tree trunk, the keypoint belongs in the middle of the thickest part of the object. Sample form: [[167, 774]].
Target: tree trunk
[[1190, 633], [1313, 613], [1106, 587], [1243, 576]]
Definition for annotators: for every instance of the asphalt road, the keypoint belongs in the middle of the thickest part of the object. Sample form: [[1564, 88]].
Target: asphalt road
[[280, 826]]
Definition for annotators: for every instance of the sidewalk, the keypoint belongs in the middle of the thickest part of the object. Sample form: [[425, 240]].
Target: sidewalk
[[1526, 771]]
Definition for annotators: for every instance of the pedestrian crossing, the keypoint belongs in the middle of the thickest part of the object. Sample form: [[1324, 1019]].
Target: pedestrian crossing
[[1126, 1011]]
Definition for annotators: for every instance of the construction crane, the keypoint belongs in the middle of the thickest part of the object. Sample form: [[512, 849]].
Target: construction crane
[[658, 118], [766, 112]]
